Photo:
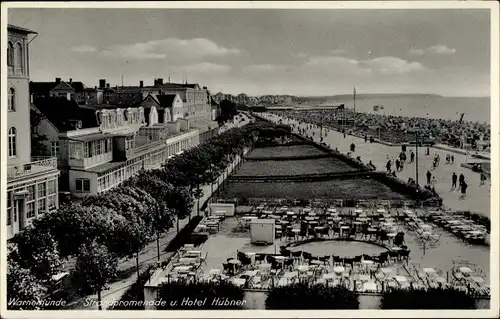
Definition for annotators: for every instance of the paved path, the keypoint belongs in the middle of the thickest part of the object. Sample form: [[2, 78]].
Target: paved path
[[478, 196]]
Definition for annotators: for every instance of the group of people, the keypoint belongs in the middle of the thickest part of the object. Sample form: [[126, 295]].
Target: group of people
[[394, 129]]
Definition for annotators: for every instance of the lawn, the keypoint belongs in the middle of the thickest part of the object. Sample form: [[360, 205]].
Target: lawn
[[285, 151], [294, 167], [333, 189]]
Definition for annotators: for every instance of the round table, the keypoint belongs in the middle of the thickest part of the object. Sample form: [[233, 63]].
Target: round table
[[338, 269]]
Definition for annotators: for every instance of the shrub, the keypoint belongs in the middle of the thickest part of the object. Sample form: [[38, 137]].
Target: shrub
[[184, 235], [221, 295], [436, 298], [305, 296]]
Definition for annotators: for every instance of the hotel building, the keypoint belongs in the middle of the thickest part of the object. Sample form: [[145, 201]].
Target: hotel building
[[32, 182]]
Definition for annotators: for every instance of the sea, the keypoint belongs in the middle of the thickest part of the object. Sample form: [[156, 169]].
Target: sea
[[475, 109]]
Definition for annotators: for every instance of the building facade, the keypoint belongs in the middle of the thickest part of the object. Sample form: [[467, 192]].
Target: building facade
[[32, 182]]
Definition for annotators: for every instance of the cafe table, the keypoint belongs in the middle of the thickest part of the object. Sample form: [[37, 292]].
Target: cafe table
[[215, 271], [338, 269], [329, 276], [303, 267]]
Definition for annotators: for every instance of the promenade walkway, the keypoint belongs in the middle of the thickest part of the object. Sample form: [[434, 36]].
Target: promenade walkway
[[478, 196], [149, 256]]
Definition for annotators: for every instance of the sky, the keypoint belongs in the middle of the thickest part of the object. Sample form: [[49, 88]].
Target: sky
[[257, 52]]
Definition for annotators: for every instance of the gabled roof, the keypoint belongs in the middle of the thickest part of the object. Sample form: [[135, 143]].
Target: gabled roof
[[78, 86], [152, 97], [61, 112], [41, 87], [63, 86], [166, 100]]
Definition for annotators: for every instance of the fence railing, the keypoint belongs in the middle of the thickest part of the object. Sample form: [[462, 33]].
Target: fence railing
[[36, 165]]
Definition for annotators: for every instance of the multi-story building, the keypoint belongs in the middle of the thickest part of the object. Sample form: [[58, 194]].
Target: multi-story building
[[32, 182], [100, 146]]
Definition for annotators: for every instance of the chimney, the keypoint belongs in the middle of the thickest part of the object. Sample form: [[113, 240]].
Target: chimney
[[141, 84], [107, 85], [160, 81], [58, 80], [102, 83], [70, 80]]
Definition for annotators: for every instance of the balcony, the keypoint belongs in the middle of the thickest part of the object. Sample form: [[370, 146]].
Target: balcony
[[38, 164]]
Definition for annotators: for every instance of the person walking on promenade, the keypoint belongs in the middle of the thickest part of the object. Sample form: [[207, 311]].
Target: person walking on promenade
[[397, 165], [438, 159], [429, 175], [366, 138], [454, 180], [433, 181], [388, 166], [483, 178], [412, 157], [463, 189], [452, 159], [403, 160], [461, 180], [447, 159], [427, 151], [353, 147]]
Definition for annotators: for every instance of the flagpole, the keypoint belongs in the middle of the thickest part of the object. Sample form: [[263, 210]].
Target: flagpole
[[354, 101]]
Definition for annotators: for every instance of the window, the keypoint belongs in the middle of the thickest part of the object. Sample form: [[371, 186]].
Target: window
[[31, 193], [52, 202], [30, 210], [19, 55], [10, 54], [51, 187], [42, 190], [82, 185], [9, 208], [42, 206], [12, 142], [54, 148], [12, 99], [75, 150]]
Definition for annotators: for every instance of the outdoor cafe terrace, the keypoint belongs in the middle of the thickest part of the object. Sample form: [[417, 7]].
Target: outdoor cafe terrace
[[322, 246]]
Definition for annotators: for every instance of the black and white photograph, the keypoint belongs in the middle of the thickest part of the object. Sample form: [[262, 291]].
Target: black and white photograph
[[263, 159]]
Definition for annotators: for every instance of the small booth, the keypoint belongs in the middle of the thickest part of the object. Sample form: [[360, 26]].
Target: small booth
[[262, 231]]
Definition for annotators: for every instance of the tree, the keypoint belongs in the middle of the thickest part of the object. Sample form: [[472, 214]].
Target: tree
[[95, 267], [38, 141], [24, 291], [72, 226], [306, 296], [37, 251], [432, 298], [150, 182]]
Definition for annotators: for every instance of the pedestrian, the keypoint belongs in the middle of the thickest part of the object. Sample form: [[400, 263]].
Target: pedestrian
[[397, 165], [464, 189], [366, 138], [434, 164], [427, 151], [438, 159], [454, 180], [412, 156], [429, 175], [447, 158], [452, 159], [388, 166], [353, 147], [433, 181], [483, 178], [461, 180], [404, 157], [401, 166]]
